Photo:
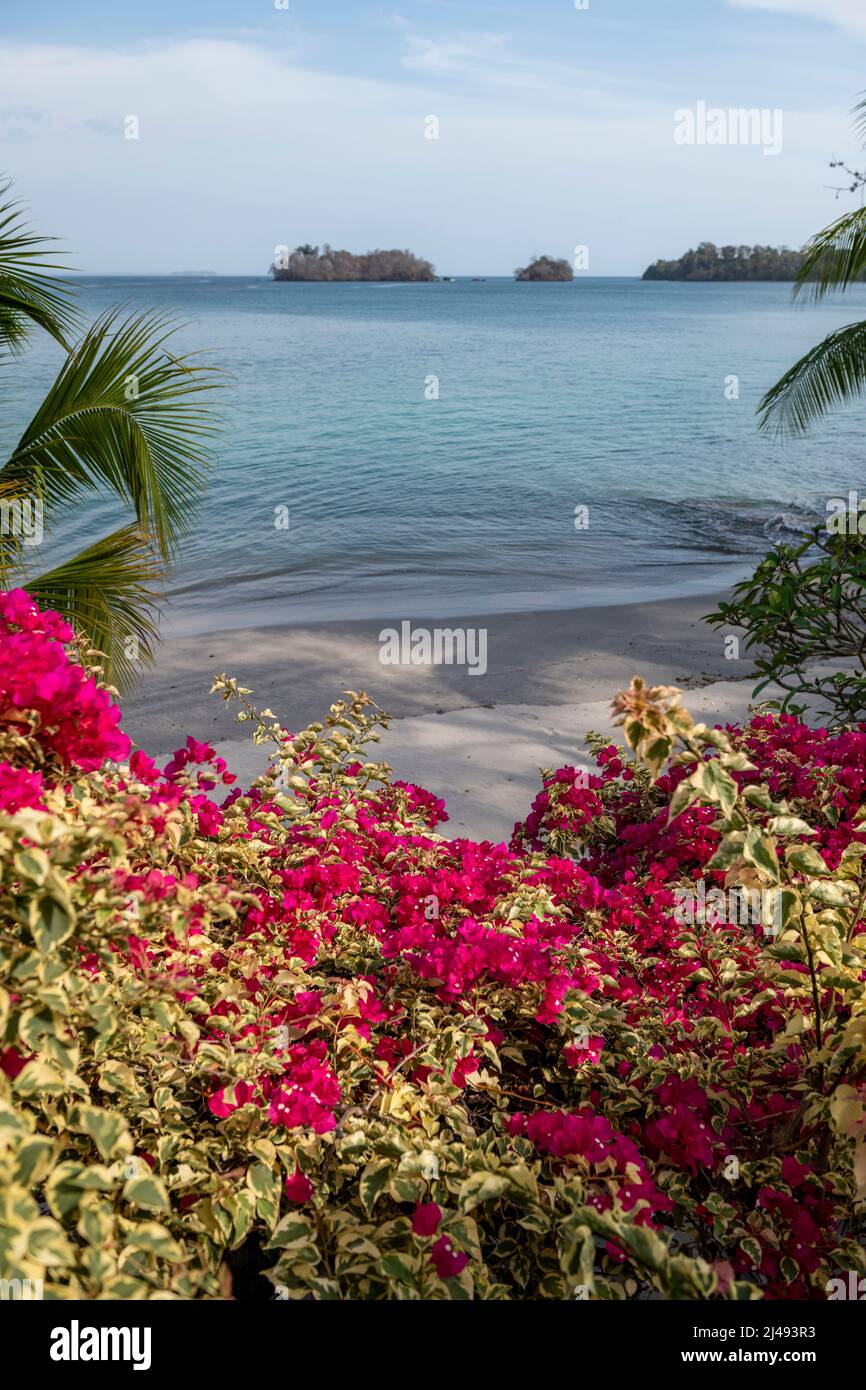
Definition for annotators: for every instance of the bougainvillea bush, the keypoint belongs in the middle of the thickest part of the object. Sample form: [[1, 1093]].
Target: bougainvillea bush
[[293, 1042]]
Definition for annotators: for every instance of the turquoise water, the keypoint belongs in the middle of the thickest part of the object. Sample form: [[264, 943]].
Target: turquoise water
[[606, 393]]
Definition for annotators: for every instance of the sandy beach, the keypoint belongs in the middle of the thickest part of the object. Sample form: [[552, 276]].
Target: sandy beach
[[477, 740]]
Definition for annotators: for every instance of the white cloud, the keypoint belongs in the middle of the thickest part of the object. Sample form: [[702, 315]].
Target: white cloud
[[465, 55], [486, 62], [848, 14], [479, 59]]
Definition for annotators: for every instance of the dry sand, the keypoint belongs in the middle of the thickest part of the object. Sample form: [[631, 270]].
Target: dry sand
[[476, 740]]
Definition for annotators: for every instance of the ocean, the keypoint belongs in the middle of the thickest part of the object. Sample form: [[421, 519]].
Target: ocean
[[471, 447]]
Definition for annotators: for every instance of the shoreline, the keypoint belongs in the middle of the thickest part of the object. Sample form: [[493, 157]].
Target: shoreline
[[477, 740], [312, 610]]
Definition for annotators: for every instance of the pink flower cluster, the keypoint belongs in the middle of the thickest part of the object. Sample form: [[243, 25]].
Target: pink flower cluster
[[19, 788], [303, 1097], [44, 693]]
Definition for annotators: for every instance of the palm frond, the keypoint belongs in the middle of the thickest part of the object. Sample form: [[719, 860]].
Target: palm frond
[[835, 257], [20, 515], [28, 295], [124, 414], [830, 374], [107, 592]]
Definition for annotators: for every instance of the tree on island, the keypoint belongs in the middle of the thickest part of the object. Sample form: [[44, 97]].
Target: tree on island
[[545, 268], [311, 263], [709, 262]]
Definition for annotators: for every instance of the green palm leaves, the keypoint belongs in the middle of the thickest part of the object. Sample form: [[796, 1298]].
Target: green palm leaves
[[835, 371], [27, 295], [829, 375], [126, 416]]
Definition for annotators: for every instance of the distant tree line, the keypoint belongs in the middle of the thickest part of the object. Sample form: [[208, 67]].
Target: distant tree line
[[545, 268], [711, 262], [313, 263]]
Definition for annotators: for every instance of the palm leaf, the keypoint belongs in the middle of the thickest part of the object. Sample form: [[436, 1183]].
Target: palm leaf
[[834, 372], [860, 123], [15, 506], [835, 257], [106, 591], [28, 296], [124, 414], [830, 374]]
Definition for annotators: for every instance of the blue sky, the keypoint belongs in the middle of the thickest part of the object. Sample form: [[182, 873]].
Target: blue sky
[[259, 125]]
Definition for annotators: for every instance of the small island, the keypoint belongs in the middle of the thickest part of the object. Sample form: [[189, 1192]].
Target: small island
[[311, 263], [710, 262], [545, 268]]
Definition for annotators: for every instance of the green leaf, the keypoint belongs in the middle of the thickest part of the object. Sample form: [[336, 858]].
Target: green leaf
[[263, 1181], [716, 785], [153, 1239], [108, 1130], [52, 924], [46, 1243], [33, 1160], [782, 906], [805, 859], [124, 416], [294, 1229], [479, 1188], [831, 894], [406, 1187], [373, 1182], [147, 1191], [789, 825], [728, 853], [400, 1267], [108, 591], [29, 295], [684, 796], [829, 375], [32, 863], [38, 1078], [760, 850], [751, 1247], [576, 1251], [835, 258], [66, 1184]]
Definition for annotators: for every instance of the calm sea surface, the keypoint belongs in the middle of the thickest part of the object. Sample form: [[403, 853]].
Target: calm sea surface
[[605, 393]]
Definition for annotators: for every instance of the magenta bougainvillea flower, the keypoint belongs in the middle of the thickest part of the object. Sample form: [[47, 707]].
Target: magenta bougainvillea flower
[[447, 1261], [72, 719], [19, 788], [298, 1188], [426, 1218]]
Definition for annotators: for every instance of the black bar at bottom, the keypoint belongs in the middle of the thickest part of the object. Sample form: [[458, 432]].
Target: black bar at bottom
[[60, 1339]]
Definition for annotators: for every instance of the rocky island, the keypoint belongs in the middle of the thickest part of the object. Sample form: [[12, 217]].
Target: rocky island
[[311, 263], [711, 262], [545, 268]]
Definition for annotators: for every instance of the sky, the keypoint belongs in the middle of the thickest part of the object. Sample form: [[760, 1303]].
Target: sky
[[261, 123]]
